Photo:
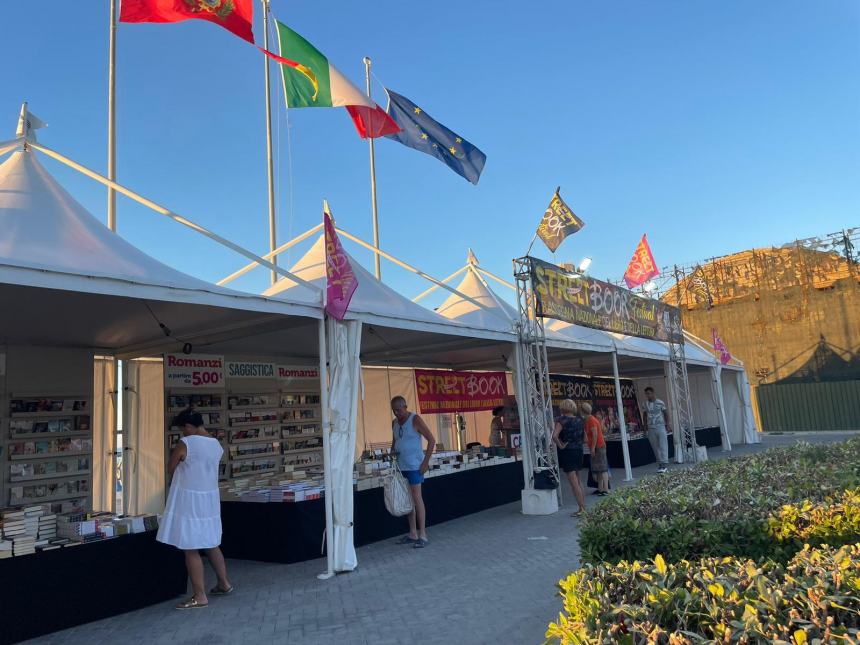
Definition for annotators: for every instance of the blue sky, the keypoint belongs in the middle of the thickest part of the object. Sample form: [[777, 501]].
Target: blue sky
[[712, 127]]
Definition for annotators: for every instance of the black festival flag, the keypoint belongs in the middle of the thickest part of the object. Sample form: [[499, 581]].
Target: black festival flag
[[558, 222]]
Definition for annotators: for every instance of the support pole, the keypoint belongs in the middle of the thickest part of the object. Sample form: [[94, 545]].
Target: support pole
[[377, 268], [717, 380], [270, 174], [111, 171], [628, 472], [326, 427]]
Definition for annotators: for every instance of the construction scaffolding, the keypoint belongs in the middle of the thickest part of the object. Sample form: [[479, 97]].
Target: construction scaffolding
[[536, 425]]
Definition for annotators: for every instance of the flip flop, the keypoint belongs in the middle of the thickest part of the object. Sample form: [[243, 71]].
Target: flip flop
[[218, 591], [420, 543], [406, 540], [577, 514], [191, 603]]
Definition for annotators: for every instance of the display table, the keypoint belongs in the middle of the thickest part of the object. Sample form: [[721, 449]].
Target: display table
[[641, 453], [53, 590], [293, 532]]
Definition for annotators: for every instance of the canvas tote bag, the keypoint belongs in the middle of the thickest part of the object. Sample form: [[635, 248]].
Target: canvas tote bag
[[395, 488]]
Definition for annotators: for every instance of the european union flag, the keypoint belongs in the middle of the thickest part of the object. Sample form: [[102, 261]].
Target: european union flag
[[420, 131]]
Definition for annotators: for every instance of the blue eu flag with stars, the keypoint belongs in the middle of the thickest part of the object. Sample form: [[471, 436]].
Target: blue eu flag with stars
[[420, 131]]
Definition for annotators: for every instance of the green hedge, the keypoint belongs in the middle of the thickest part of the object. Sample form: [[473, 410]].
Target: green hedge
[[813, 599], [718, 508], [835, 521]]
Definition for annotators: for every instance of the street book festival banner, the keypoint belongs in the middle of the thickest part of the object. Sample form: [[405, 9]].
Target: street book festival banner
[[599, 392], [605, 406], [441, 391], [584, 301]]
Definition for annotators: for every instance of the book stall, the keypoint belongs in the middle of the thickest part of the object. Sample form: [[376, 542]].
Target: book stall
[[49, 465], [267, 416]]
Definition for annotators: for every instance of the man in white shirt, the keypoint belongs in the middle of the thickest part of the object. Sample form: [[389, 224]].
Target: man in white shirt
[[657, 423]]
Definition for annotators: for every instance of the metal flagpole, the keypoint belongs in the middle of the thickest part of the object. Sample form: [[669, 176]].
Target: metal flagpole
[[111, 171], [273, 236], [376, 259]]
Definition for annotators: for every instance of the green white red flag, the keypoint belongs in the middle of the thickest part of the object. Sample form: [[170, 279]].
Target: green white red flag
[[310, 80], [236, 16]]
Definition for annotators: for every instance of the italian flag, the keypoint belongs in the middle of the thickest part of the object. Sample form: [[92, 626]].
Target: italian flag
[[311, 81]]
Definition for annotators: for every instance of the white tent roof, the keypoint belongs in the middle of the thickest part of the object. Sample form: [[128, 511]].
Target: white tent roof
[[59, 263], [379, 306]]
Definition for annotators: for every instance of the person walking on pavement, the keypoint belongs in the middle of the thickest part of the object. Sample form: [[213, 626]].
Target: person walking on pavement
[[407, 430], [657, 424]]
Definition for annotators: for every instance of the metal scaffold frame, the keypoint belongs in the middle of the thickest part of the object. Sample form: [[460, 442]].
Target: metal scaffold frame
[[679, 390], [536, 425]]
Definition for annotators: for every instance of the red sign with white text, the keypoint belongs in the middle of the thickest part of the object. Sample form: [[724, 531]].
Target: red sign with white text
[[440, 391]]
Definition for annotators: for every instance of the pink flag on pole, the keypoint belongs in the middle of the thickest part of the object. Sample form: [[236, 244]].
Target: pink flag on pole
[[341, 282], [720, 348]]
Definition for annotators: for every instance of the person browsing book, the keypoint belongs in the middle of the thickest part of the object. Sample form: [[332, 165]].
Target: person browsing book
[[568, 436], [597, 445], [192, 515], [407, 430]]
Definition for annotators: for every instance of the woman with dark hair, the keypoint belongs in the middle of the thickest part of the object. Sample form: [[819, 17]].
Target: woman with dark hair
[[192, 515], [496, 438]]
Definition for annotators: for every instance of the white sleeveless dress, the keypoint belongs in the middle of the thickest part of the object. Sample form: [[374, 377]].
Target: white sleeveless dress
[[192, 516]]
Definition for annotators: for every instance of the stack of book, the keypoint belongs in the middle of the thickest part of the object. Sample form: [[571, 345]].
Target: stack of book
[[23, 545], [13, 524], [77, 528], [47, 527], [5, 549], [31, 520]]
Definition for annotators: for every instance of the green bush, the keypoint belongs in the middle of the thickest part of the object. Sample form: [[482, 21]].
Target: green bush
[[835, 521], [719, 507], [813, 599]]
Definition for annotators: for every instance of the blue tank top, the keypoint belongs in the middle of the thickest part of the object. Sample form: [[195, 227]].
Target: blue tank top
[[407, 443]]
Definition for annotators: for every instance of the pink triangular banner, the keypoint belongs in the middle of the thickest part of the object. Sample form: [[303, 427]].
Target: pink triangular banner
[[341, 282]]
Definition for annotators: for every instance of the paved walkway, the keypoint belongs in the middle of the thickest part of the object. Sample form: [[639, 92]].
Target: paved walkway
[[486, 578]]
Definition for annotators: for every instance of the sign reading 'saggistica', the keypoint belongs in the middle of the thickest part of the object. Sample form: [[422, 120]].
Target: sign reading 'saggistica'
[[250, 369]]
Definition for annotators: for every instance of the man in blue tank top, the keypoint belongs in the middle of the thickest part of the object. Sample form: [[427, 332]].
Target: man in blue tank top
[[407, 429]]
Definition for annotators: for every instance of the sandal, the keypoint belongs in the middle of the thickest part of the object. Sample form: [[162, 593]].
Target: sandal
[[218, 591], [420, 543], [406, 540], [577, 514], [191, 603]]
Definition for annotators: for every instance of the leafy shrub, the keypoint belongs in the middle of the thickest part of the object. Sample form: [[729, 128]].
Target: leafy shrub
[[815, 598], [716, 508], [835, 521]]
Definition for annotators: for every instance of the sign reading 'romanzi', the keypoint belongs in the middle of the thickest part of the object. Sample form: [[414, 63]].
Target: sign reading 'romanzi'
[[584, 301]]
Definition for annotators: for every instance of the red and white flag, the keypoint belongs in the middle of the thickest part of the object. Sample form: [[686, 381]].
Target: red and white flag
[[341, 282], [236, 16], [642, 267], [720, 349]]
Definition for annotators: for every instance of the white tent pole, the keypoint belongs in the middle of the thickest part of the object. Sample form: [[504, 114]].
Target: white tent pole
[[426, 293], [419, 272], [497, 278], [174, 216], [326, 429], [270, 255], [628, 472], [716, 374], [111, 214]]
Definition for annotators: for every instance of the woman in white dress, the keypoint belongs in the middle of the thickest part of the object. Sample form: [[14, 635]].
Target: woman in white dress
[[192, 516]]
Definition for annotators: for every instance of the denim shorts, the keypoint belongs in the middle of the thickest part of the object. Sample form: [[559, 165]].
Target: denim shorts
[[414, 477]]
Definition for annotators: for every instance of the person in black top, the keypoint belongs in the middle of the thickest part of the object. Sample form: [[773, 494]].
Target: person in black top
[[569, 437]]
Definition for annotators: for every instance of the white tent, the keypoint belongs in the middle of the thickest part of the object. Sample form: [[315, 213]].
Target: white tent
[[59, 263], [69, 284]]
